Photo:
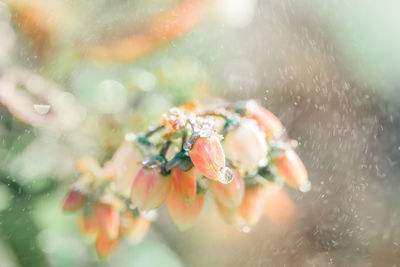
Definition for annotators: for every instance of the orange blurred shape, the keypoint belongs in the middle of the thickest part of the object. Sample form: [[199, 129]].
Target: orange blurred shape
[[108, 220], [135, 228], [265, 118], [230, 216], [126, 163], [160, 31], [33, 21], [292, 170], [184, 214], [91, 165], [150, 189], [192, 106], [280, 209], [88, 224], [105, 245], [229, 195], [87, 164], [40, 21], [253, 203], [184, 183]]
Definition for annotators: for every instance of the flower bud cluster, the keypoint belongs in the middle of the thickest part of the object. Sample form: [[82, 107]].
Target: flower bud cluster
[[239, 152]]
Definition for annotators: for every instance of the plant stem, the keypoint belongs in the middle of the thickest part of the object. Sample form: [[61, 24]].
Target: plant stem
[[154, 130]]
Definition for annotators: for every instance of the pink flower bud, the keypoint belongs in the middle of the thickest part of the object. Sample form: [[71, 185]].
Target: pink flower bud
[[246, 145], [135, 228], [126, 163], [229, 195], [108, 220], [88, 225], [184, 214], [73, 201], [292, 170], [268, 121], [150, 189], [184, 183], [105, 245], [252, 207], [208, 157]]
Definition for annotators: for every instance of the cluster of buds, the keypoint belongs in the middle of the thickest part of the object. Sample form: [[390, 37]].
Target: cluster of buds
[[240, 152]]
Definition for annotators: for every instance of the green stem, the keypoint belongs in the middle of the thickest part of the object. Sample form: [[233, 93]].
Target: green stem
[[154, 130]]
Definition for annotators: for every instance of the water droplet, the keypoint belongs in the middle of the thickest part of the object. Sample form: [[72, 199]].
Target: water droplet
[[150, 215], [130, 137], [245, 229], [293, 143], [187, 146], [225, 175], [41, 109], [263, 162], [305, 187], [206, 131]]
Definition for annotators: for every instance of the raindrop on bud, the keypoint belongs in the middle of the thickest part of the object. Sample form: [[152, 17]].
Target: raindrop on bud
[[187, 146], [225, 175], [305, 187]]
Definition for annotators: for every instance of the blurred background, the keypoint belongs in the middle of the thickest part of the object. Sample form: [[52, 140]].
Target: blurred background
[[76, 75]]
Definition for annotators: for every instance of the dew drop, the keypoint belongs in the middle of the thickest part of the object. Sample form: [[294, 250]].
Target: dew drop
[[305, 187], [245, 229], [130, 137], [225, 175], [150, 215], [263, 162], [187, 146], [206, 132], [41, 109]]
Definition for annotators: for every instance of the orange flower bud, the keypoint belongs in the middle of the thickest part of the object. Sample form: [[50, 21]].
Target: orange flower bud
[[88, 224], [150, 189], [184, 183], [108, 220], [268, 121], [208, 157], [73, 201], [253, 203], [135, 228], [229, 195], [280, 209], [105, 245], [184, 214], [246, 145], [292, 170], [126, 163], [229, 215]]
